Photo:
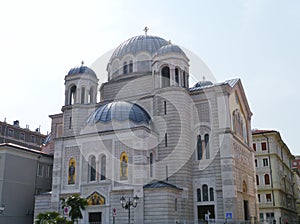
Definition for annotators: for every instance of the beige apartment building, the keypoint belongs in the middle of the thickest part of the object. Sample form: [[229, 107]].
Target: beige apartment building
[[277, 189]]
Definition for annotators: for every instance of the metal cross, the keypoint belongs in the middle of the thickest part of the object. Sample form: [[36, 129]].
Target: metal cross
[[146, 30]]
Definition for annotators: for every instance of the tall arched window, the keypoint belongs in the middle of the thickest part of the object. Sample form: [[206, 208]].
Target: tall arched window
[[165, 75], [176, 76], [199, 148], [72, 95], [205, 192], [211, 194], [92, 169], [91, 96], [103, 168], [125, 68], [206, 140], [82, 95], [130, 66], [183, 79], [267, 179], [198, 194], [151, 164], [257, 180]]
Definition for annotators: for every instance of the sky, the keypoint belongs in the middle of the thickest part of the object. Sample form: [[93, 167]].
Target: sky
[[254, 40]]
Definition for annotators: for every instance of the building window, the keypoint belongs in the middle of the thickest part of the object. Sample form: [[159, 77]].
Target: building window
[[92, 169], [211, 194], [165, 107], [265, 162], [70, 122], [22, 136], [166, 140], [267, 179], [10, 132], [176, 76], [183, 79], [205, 192], [255, 162], [261, 216], [268, 198], [48, 171], [270, 216], [206, 142], [165, 75], [32, 138], [40, 170], [176, 205], [254, 146], [198, 194], [199, 148], [82, 95], [263, 146], [257, 179], [0, 130], [72, 99], [103, 168], [125, 68], [130, 66], [151, 164], [258, 196]]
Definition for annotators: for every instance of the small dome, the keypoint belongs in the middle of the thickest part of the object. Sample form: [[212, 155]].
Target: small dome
[[138, 44], [120, 111], [81, 70], [201, 84], [170, 48]]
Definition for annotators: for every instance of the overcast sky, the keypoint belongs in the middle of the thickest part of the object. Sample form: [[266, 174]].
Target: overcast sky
[[255, 40]]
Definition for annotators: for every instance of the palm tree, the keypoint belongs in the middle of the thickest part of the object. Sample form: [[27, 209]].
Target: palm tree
[[50, 218], [76, 203]]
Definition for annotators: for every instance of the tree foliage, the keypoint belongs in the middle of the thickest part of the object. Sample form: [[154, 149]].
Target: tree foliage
[[51, 218], [76, 204]]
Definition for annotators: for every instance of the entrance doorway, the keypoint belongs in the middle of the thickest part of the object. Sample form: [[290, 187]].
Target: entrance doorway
[[246, 210], [95, 218], [205, 210]]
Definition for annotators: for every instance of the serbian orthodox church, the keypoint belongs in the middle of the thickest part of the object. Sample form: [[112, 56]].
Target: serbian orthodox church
[[183, 152]]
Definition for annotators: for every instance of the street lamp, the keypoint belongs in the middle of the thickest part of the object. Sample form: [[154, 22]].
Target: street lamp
[[1, 208], [130, 203]]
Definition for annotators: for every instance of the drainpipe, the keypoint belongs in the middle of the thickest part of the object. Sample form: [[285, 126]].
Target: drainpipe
[[269, 157]]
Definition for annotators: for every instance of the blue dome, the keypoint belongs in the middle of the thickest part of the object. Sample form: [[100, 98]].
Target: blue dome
[[81, 70], [170, 48], [138, 44], [120, 111]]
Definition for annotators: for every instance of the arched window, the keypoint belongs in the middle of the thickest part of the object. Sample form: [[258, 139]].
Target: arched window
[[245, 187], [176, 205], [211, 194], [91, 96], [72, 171], [267, 179], [183, 79], [72, 98], [92, 169], [206, 140], [123, 166], [198, 194], [130, 66], [257, 180], [176, 76], [103, 168], [82, 95], [125, 67], [199, 148], [151, 164], [165, 75], [205, 192]]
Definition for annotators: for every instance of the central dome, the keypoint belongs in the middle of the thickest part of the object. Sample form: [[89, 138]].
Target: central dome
[[138, 44], [120, 111]]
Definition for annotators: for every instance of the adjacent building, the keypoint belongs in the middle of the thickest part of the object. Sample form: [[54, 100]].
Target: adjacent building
[[277, 185], [185, 152], [13, 133], [24, 172]]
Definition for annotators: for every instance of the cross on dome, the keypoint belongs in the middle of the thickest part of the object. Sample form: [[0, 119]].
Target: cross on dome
[[146, 30]]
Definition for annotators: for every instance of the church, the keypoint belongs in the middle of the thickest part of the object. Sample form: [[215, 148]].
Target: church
[[152, 149]]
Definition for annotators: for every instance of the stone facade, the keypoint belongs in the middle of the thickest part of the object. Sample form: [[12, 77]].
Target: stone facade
[[191, 160]]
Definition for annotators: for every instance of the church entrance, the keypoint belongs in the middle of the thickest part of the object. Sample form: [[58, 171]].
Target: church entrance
[[205, 211], [95, 218], [246, 210]]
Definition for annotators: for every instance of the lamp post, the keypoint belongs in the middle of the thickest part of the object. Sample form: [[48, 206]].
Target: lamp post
[[1, 208], [130, 203]]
